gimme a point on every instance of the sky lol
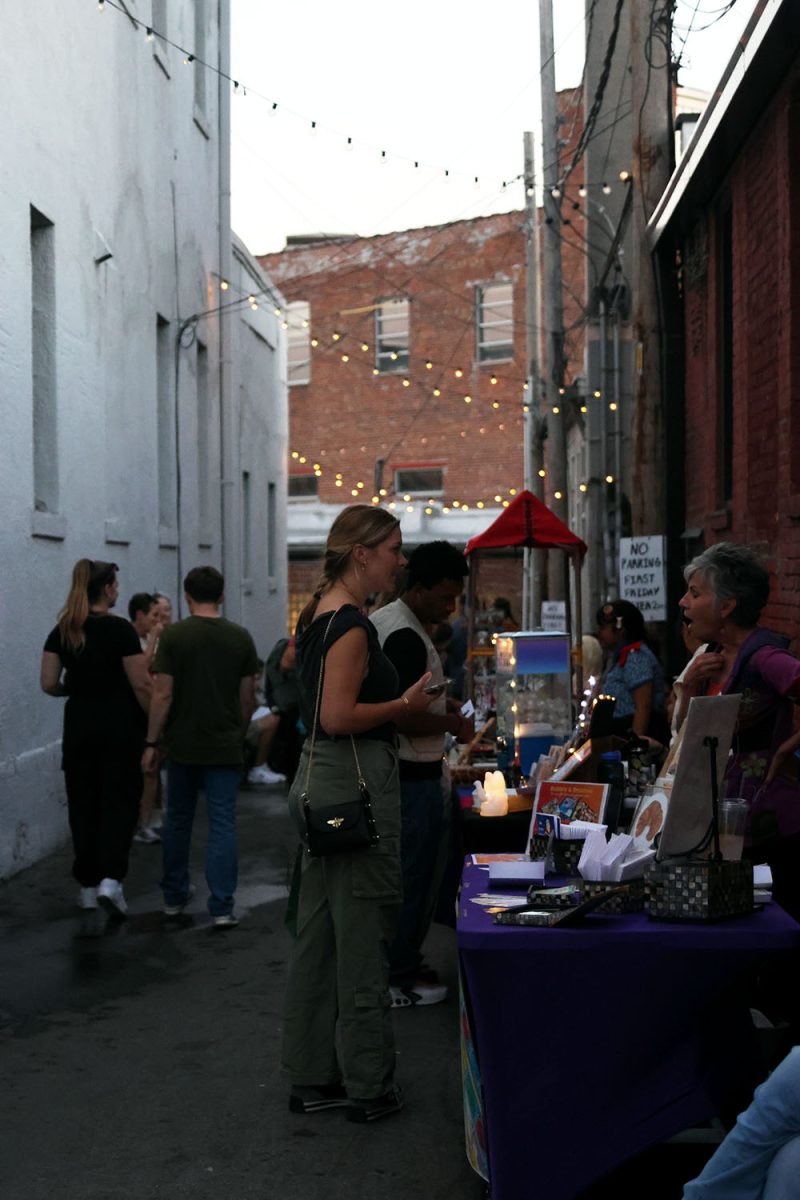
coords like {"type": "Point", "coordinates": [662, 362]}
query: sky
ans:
{"type": "Point", "coordinates": [448, 84]}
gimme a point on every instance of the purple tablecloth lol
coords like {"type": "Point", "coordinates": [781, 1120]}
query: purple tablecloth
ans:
{"type": "Point", "coordinates": [598, 1041]}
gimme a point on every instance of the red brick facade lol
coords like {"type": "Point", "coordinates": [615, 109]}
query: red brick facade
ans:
{"type": "Point", "coordinates": [352, 426]}
{"type": "Point", "coordinates": [761, 245]}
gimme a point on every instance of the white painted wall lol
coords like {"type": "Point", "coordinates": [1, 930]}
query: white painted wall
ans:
{"type": "Point", "coordinates": [103, 136]}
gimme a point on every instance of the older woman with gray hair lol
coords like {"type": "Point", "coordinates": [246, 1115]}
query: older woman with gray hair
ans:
{"type": "Point", "coordinates": [727, 587]}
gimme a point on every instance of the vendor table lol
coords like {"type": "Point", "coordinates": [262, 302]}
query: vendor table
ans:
{"type": "Point", "coordinates": [595, 1042]}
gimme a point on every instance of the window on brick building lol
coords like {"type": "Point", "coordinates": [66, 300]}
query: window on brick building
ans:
{"type": "Point", "coordinates": [392, 335]}
{"type": "Point", "coordinates": [419, 481]}
{"type": "Point", "coordinates": [303, 487]}
{"type": "Point", "coordinates": [298, 318]}
{"type": "Point", "coordinates": [494, 319]}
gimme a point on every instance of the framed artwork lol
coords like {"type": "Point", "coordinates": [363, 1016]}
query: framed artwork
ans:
{"type": "Point", "coordinates": [687, 819]}
{"type": "Point", "coordinates": [650, 814]}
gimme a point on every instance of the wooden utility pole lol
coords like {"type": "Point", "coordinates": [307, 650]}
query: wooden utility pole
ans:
{"type": "Point", "coordinates": [552, 303]}
{"type": "Point", "coordinates": [651, 98]}
{"type": "Point", "coordinates": [534, 560]}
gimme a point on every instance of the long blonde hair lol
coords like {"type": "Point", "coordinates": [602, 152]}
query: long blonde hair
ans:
{"type": "Point", "coordinates": [357, 525]}
{"type": "Point", "coordinates": [88, 580]}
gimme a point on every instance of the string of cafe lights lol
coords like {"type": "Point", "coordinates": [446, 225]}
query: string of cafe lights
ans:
{"type": "Point", "coordinates": [312, 124]}
{"type": "Point", "coordinates": [189, 59]}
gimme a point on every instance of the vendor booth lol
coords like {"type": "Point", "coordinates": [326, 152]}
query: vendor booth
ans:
{"type": "Point", "coordinates": [529, 524]}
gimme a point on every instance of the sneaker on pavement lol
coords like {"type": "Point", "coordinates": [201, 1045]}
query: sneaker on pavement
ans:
{"type": "Point", "coordinates": [226, 921]}
{"type": "Point", "coordinates": [307, 1099]}
{"type": "Point", "coordinates": [264, 775]}
{"type": "Point", "coordinates": [110, 897]}
{"type": "Point", "coordinates": [175, 910]}
{"type": "Point", "coordinates": [419, 993]}
{"type": "Point", "coordinates": [87, 898]}
{"type": "Point", "coordinates": [362, 1111]}
{"type": "Point", "coordinates": [147, 835]}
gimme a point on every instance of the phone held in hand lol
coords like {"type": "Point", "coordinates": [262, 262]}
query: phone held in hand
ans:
{"type": "Point", "coordinates": [435, 689]}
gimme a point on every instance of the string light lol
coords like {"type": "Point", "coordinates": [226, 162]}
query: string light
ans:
{"type": "Point", "coordinates": [609, 478]}
{"type": "Point", "coordinates": [223, 285]}
{"type": "Point", "coordinates": [558, 495]}
{"type": "Point", "coordinates": [613, 406]}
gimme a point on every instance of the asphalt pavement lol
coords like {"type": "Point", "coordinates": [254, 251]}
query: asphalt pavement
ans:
{"type": "Point", "coordinates": [140, 1058]}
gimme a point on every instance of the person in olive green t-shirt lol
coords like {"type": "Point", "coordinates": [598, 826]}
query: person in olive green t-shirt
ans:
{"type": "Point", "coordinates": [202, 701]}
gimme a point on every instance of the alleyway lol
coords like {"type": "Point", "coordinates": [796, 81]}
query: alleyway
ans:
{"type": "Point", "coordinates": [140, 1061]}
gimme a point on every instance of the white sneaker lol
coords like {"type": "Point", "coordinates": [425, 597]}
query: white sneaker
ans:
{"type": "Point", "coordinates": [87, 898]}
{"type": "Point", "coordinates": [175, 910]}
{"type": "Point", "coordinates": [110, 897]}
{"type": "Point", "coordinates": [263, 774]}
{"type": "Point", "coordinates": [418, 994]}
{"type": "Point", "coordinates": [145, 833]}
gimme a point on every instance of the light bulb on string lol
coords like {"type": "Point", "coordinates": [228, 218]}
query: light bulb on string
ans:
{"type": "Point", "coordinates": [609, 478]}
{"type": "Point", "coordinates": [345, 358]}
{"type": "Point", "coordinates": [558, 495]}
{"type": "Point", "coordinates": [583, 190]}
{"type": "Point", "coordinates": [223, 285]}
{"type": "Point", "coordinates": [606, 189]}
{"type": "Point", "coordinates": [101, 5]}
{"type": "Point", "coordinates": [468, 399]}
{"type": "Point", "coordinates": [313, 129]}
{"type": "Point", "coordinates": [613, 406]}
{"type": "Point", "coordinates": [365, 346]}
{"type": "Point", "coordinates": [349, 144]}
{"type": "Point", "coordinates": [495, 404]}
{"type": "Point", "coordinates": [555, 193]}
{"type": "Point", "coordinates": [541, 472]}
{"type": "Point", "coordinates": [188, 60]}
{"type": "Point", "coordinates": [314, 343]}
{"type": "Point", "coordinates": [582, 487]}
{"type": "Point", "coordinates": [148, 34]}
{"type": "Point", "coordinates": [625, 176]}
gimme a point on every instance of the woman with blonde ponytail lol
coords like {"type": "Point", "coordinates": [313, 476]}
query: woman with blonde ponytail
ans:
{"type": "Point", "coordinates": [338, 1047]}
{"type": "Point", "coordinates": [96, 661]}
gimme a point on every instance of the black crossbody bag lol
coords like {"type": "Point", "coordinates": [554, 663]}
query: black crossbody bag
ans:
{"type": "Point", "coordinates": [349, 825]}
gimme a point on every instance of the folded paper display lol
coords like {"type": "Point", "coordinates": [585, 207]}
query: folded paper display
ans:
{"type": "Point", "coordinates": [614, 861]}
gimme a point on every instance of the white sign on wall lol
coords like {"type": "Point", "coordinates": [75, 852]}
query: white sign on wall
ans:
{"type": "Point", "coordinates": [554, 615]}
{"type": "Point", "coordinates": [642, 575]}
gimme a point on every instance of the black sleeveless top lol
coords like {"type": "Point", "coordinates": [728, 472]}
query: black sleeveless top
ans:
{"type": "Point", "coordinates": [381, 682]}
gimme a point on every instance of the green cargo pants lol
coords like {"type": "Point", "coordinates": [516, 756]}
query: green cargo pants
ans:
{"type": "Point", "coordinates": [347, 914]}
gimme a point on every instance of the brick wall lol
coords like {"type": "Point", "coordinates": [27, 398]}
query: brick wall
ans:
{"type": "Point", "coordinates": [763, 188]}
{"type": "Point", "coordinates": [347, 418]}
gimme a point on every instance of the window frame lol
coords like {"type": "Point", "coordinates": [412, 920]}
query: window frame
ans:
{"type": "Point", "coordinates": [416, 492]}
{"type": "Point", "coordinates": [300, 498]}
{"type": "Point", "coordinates": [505, 349]}
{"type": "Point", "coordinates": [293, 308]}
{"type": "Point", "coordinates": [384, 362]}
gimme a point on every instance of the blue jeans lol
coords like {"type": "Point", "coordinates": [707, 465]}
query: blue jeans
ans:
{"type": "Point", "coordinates": [220, 785]}
{"type": "Point", "coordinates": [760, 1157]}
{"type": "Point", "coordinates": [422, 816]}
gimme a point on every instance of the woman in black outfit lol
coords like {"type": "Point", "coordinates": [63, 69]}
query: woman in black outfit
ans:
{"type": "Point", "coordinates": [338, 1046]}
{"type": "Point", "coordinates": [107, 687]}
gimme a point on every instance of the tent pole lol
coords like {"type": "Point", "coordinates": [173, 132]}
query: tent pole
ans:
{"type": "Point", "coordinates": [472, 591]}
{"type": "Point", "coordinates": [577, 565]}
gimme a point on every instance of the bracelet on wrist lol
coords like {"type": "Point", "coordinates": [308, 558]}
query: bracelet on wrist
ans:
{"type": "Point", "coordinates": [150, 745]}
{"type": "Point", "coordinates": [405, 700]}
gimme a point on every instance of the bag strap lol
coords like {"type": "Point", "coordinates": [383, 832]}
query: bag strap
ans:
{"type": "Point", "coordinates": [317, 708]}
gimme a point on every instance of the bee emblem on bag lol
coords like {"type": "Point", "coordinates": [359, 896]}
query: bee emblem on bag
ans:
{"type": "Point", "coordinates": [335, 822]}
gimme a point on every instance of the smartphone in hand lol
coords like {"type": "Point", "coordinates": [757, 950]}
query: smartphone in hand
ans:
{"type": "Point", "coordinates": [436, 689]}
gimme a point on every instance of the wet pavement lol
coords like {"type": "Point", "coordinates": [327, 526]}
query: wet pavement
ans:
{"type": "Point", "coordinates": [140, 1057]}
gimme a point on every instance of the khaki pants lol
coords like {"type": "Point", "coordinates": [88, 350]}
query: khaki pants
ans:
{"type": "Point", "coordinates": [347, 915]}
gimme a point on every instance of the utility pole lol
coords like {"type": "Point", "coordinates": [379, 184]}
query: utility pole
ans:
{"type": "Point", "coordinates": [552, 302]}
{"type": "Point", "coordinates": [651, 96]}
{"type": "Point", "coordinates": [534, 560]}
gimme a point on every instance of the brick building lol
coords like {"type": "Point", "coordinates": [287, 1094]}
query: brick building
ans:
{"type": "Point", "coordinates": [728, 242]}
{"type": "Point", "coordinates": [408, 375]}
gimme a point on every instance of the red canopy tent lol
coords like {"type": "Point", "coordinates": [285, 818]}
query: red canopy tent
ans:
{"type": "Point", "coordinates": [529, 522]}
